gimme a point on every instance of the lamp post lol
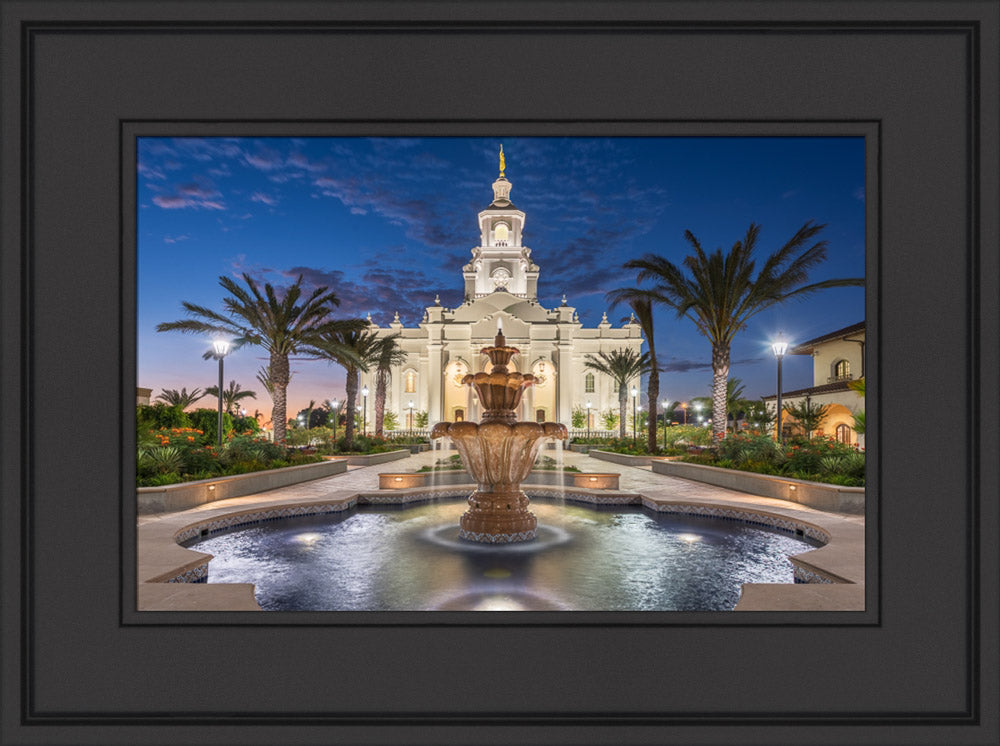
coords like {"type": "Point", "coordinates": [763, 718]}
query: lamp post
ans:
{"type": "Point", "coordinates": [635, 420]}
{"type": "Point", "coordinates": [411, 417]}
{"type": "Point", "coordinates": [684, 406]}
{"type": "Point", "coordinates": [779, 346]}
{"type": "Point", "coordinates": [364, 411]}
{"type": "Point", "coordinates": [334, 405]}
{"type": "Point", "coordinates": [666, 403]}
{"type": "Point", "coordinates": [697, 411]}
{"type": "Point", "coordinates": [588, 420]}
{"type": "Point", "coordinates": [221, 348]}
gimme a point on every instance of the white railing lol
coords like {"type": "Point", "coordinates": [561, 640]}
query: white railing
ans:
{"type": "Point", "coordinates": [584, 433]}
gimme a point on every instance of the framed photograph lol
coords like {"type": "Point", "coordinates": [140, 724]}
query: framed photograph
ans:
{"type": "Point", "coordinates": [150, 151]}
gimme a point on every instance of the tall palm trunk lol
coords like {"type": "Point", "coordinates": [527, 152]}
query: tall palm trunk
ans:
{"type": "Point", "coordinates": [622, 409]}
{"type": "Point", "coordinates": [653, 393]}
{"type": "Point", "coordinates": [381, 383]}
{"type": "Point", "coordinates": [720, 375]}
{"type": "Point", "coordinates": [351, 385]}
{"type": "Point", "coordinates": [279, 379]}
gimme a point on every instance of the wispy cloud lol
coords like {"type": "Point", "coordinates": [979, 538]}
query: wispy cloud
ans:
{"type": "Point", "coordinates": [190, 195]}
{"type": "Point", "coordinates": [176, 239]}
{"type": "Point", "coordinates": [859, 193]}
{"type": "Point", "coordinates": [263, 198]}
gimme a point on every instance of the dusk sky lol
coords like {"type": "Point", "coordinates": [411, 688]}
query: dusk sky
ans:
{"type": "Point", "coordinates": [388, 223]}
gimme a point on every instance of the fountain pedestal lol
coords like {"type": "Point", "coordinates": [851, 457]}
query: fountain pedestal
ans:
{"type": "Point", "coordinates": [499, 453]}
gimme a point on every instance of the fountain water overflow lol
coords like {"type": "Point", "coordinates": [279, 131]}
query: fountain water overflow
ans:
{"type": "Point", "coordinates": [499, 452]}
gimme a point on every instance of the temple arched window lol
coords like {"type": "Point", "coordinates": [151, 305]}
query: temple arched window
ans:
{"type": "Point", "coordinates": [588, 383]}
{"type": "Point", "coordinates": [410, 382]}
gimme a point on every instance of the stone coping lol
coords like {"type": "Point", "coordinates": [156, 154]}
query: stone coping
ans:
{"type": "Point", "coordinates": [840, 561]}
{"type": "Point", "coordinates": [370, 459]}
{"type": "Point", "coordinates": [621, 458]}
{"type": "Point", "coordinates": [832, 497]}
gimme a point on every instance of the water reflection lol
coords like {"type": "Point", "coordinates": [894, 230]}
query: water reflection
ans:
{"type": "Point", "coordinates": [410, 558]}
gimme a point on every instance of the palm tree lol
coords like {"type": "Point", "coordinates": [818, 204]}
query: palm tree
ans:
{"type": "Point", "coordinates": [722, 292]}
{"type": "Point", "coordinates": [809, 416]}
{"type": "Point", "coordinates": [735, 404]}
{"type": "Point", "coordinates": [231, 395]}
{"type": "Point", "coordinates": [282, 326]}
{"type": "Point", "coordinates": [355, 349]}
{"type": "Point", "coordinates": [181, 398]}
{"type": "Point", "coordinates": [643, 309]}
{"type": "Point", "coordinates": [622, 366]}
{"type": "Point", "coordinates": [670, 411]}
{"type": "Point", "coordinates": [390, 354]}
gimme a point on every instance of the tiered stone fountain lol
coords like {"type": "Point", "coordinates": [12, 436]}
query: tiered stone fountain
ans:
{"type": "Point", "coordinates": [499, 452]}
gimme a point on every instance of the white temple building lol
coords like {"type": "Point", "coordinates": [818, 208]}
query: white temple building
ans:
{"type": "Point", "coordinates": [501, 290]}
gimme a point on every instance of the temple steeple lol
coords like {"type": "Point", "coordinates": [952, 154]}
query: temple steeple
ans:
{"type": "Point", "coordinates": [501, 262]}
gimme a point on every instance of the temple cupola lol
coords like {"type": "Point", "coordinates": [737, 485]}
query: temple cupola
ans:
{"type": "Point", "coordinates": [501, 261]}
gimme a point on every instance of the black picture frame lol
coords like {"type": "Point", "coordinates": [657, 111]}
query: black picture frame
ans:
{"type": "Point", "coordinates": [918, 78]}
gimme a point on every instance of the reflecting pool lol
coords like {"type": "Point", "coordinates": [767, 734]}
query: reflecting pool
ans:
{"type": "Point", "coordinates": [620, 558]}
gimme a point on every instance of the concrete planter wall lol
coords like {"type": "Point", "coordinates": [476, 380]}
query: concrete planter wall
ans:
{"type": "Point", "coordinates": [371, 459]}
{"type": "Point", "coordinates": [409, 480]}
{"type": "Point", "coordinates": [172, 497]}
{"type": "Point", "coordinates": [621, 458]}
{"type": "Point", "coordinates": [814, 494]}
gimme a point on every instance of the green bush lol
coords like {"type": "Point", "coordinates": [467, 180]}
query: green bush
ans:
{"type": "Point", "coordinates": [160, 416]}
{"type": "Point", "coordinates": [819, 459]}
{"type": "Point", "coordinates": [694, 435]}
{"type": "Point", "coordinates": [207, 421]}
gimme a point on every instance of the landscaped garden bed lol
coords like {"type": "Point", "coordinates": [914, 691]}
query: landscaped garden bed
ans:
{"type": "Point", "coordinates": [818, 459]}
{"type": "Point", "coordinates": [182, 454]}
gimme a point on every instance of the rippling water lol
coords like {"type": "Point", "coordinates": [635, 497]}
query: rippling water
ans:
{"type": "Point", "coordinates": [585, 559]}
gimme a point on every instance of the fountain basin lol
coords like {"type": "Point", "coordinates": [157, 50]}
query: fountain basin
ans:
{"type": "Point", "coordinates": [586, 558]}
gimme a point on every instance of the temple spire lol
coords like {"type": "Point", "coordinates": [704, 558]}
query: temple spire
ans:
{"type": "Point", "coordinates": [502, 162]}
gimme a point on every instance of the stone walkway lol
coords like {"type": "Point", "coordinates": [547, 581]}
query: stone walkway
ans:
{"type": "Point", "coordinates": [843, 557]}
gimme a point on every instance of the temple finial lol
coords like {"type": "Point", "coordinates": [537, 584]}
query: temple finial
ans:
{"type": "Point", "coordinates": [502, 162]}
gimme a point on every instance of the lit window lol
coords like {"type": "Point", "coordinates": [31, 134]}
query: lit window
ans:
{"type": "Point", "coordinates": [843, 434]}
{"type": "Point", "coordinates": [842, 370]}
{"type": "Point", "coordinates": [501, 233]}
{"type": "Point", "coordinates": [411, 382]}
{"type": "Point", "coordinates": [588, 383]}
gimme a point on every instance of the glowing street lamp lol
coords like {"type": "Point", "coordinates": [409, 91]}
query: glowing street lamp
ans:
{"type": "Point", "coordinates": [364, 411]}
{"type": "Point", "coordinates": [411, 417]}
{"type": "Point", "coordinates": [684, 406]}
{"type": "Point", "coordinates": [221, 349]}
{"type": "Point", "coordinates": [779, 347]}
{"type": "Point", "coordinates": [666, 403]}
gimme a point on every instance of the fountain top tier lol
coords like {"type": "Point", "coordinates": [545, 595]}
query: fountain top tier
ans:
{"type": "Point", "coordinates": [499, 391]}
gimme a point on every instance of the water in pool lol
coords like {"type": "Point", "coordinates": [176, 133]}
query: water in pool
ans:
{"type": "Point", "coordinates": [584, 559]}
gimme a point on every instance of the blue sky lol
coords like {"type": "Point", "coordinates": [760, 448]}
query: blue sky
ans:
{"type": "Point", "coordinates": [387, 223]}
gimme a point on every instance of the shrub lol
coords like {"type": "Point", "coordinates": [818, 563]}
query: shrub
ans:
{"type": "Point", "coordinates": [741, 448]}
{"type": "Point", "coordinates": [159, 416]}
{"type": "Point", "coordinates": [687, 435]}
{"type": "Point", "coordinates": [207, 421]}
